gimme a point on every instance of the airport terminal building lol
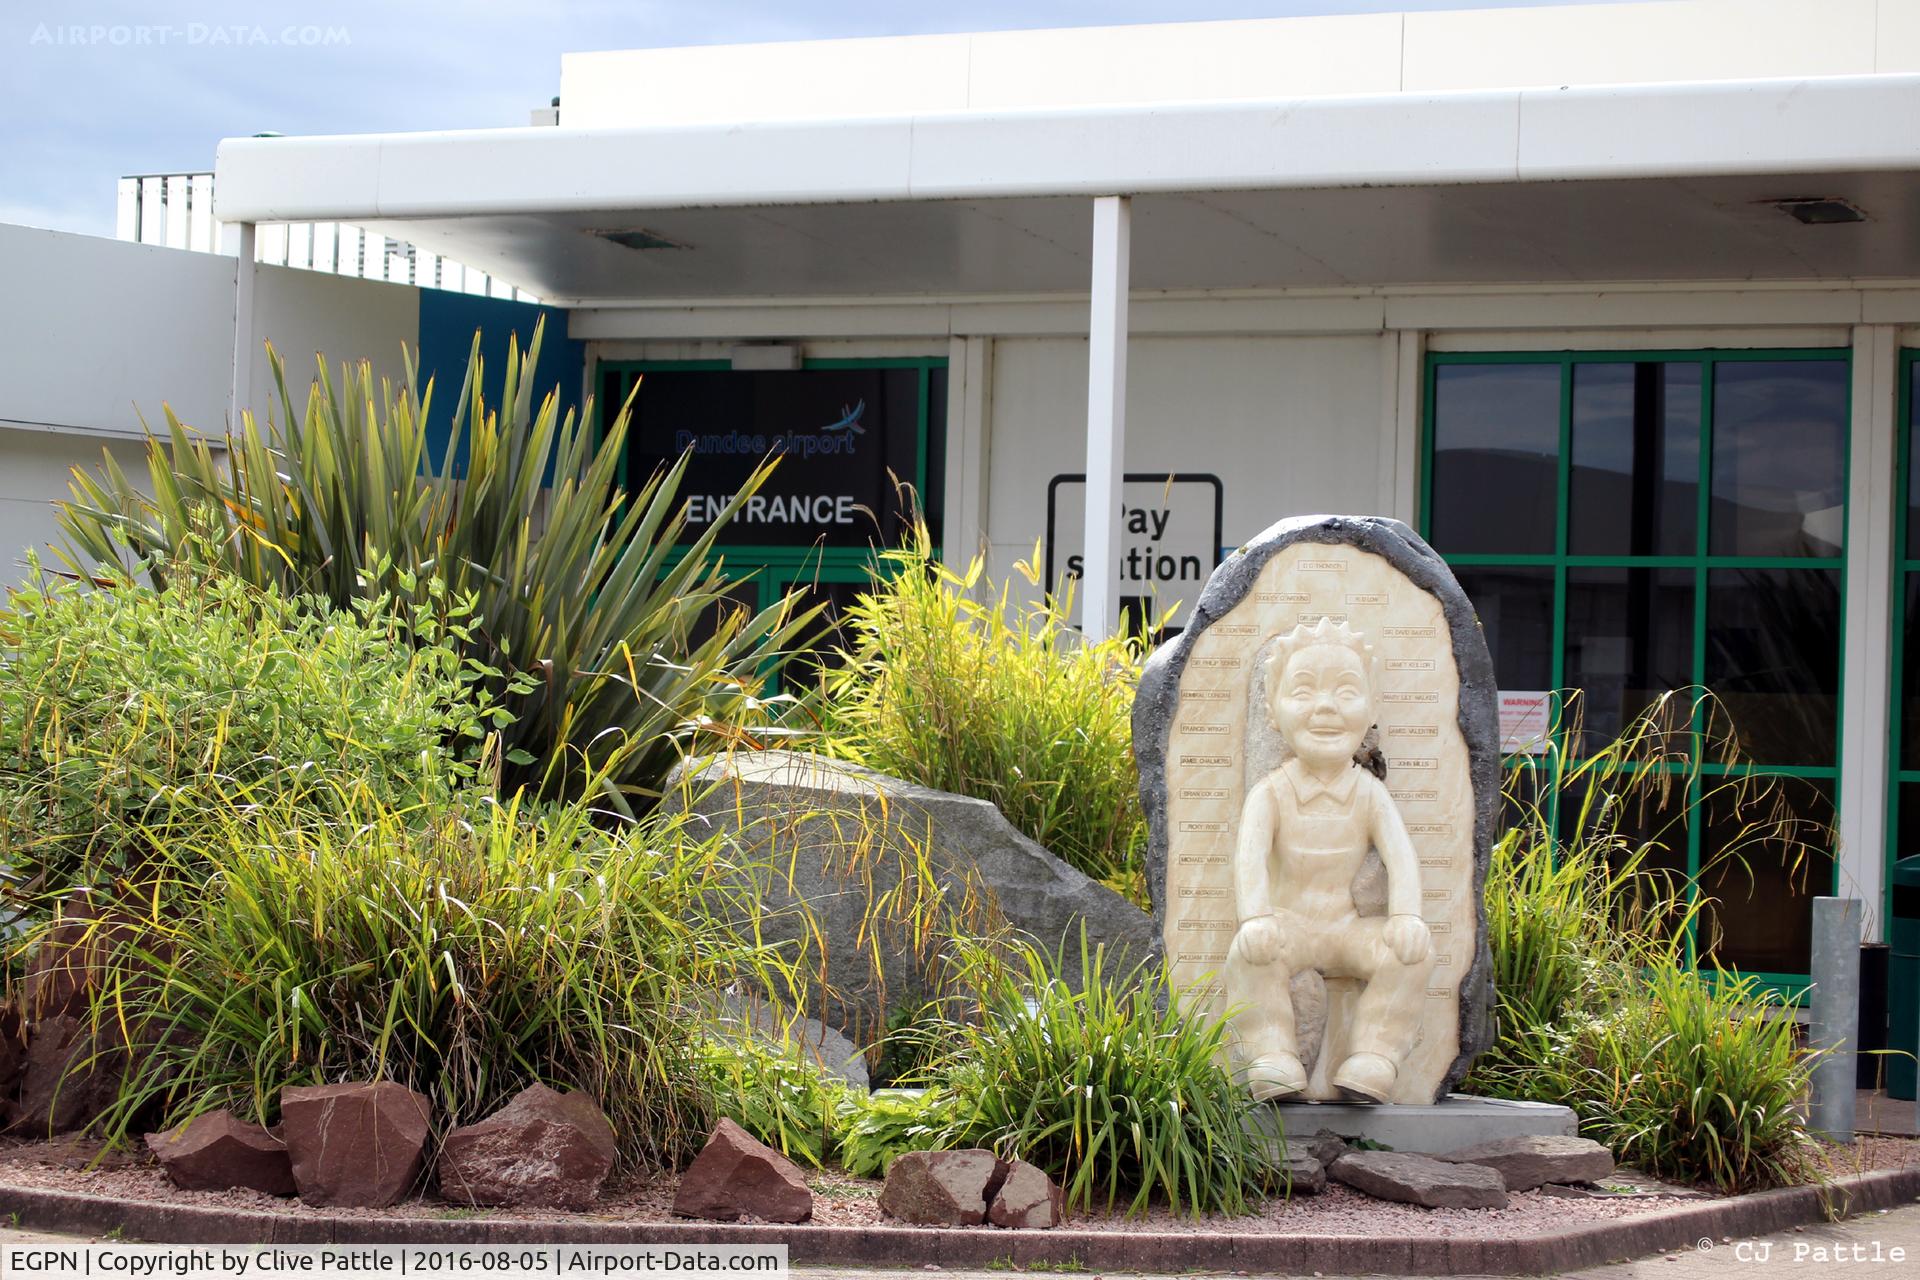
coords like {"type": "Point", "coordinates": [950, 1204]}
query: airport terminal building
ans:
{"type": "Point", "coordinates": [1618, 305]}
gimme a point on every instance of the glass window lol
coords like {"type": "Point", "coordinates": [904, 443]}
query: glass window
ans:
{"type": "Point", "coordinates": [1764, 858]}
{"type": "Point", "coordinates": [1910, 680]}
{"type": "Point", "coordinates": [1496, 458]}
{"type": "Point", "coordinates": [1601, 568]}
{"type": "Point", "coordinates": [1773, 660]}
{"type": "Point", "coordinates": [1635, 481]}
{"type": "Point", "coordinates": [1516, 611]}
{"type": "Point", "coordinates": [1779, 457]}
{"type": "Point", "coordinates": [1629, 639]}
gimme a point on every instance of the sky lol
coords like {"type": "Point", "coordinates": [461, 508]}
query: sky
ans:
{"type": "Point", "coordinates": [91, 90]}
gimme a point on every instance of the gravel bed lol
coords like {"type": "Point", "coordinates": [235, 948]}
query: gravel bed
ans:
{"type": "Point", "coordinates": [852, 1202]}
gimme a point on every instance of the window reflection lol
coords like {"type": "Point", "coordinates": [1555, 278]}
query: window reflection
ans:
{"type": "Point", "coordinates": [1516, 611]}
{"type": "Point", "coordinates": [1760, 890]}
{"type": "Point", "coordinates": [1779, 457]}
{"type": "Point", "coordinates": [1629, 639]}
{"type": "Point", "coordinates": [1496, 450]}
{"type": "Point", "coordinates": [1636, 459]}
{"type": "Point", "coordinates": [1773, 659]}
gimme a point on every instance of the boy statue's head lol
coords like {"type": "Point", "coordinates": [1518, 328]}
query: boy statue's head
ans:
{"type": "Point", "coordinates": [1320, 691]}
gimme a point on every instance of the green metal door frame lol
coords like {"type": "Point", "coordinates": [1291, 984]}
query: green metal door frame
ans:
{"type": "Point", "coordinates": [1905, 566]}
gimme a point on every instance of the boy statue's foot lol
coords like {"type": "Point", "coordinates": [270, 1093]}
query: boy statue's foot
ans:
{"type": "Point", "coordinates": [1276, 1076]}
{"type": "Point", "coordinates": [1366, 1077]}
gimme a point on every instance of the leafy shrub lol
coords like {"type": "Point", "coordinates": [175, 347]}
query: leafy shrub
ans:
{"type": "Point", "coordinates": [775, 1092]}
{"type": "Point", "coordinates": [591, 610]}
{"type": "Point", "coordinates": [1688, 1075]}
{"type": "Point", "coordinates": [464, 957]}
{"type": "Point", "coordinates": [870, 1129]}
{"type": "Point", "coordinates": [126, 712]}
{"type": "Point", "coordinates": [1113, 1090]}
{"type": "Point", "coordinates": [1700, 1077]}
{"type": "Point", "coordinates": [953, 684]}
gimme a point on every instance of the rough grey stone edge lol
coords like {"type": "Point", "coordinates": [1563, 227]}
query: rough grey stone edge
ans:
{"type": "Point", "coordinates": [1540, 1253]}
{"type": "Point", "coordinates": [1156, 703]}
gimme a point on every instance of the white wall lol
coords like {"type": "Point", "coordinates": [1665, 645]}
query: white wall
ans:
{"type": "Point", "coordinates": [94, 333]}
{"type": "Point", "coordinates": [97, 335]}
{"type": "Point", "coordinates": [309, 313]}
{"type": "Point", "coordinates": [35, 467]}
{"type": "Point", "coordinates": [1290, 425]}
{"type": "Point", "coordinates": [1681, 40]}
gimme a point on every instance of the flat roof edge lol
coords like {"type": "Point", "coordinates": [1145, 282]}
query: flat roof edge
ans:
{"type": "Point", "coordinates": [1804, 126]}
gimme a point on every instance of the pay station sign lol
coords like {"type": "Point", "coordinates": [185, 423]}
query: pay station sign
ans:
{"type": "Point", "coordinates": [1169, 540]}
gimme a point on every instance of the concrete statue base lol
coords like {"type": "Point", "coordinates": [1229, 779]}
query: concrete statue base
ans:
{"type": "Point", "coordinates": [1456, 1121]}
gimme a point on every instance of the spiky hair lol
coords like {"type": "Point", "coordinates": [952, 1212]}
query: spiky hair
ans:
{"type": "Point", "coordinates": [1325, 631]}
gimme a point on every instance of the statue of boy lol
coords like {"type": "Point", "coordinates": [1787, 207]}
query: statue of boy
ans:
{"type": "Point", "coordinates": [1304, 834]}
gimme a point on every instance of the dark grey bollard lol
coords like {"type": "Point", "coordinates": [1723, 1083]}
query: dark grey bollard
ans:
{"type": "Point", "coordinates": [1833, 1025]}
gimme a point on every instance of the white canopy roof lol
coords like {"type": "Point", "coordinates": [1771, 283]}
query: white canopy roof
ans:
{"type": "Point", "coordinates": [1589, 184]}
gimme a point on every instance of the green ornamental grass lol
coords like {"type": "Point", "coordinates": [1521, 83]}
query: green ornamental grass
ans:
{"type": "Point", "coordinates": [952, 682]}
{"type": "Point", "coordinates": [1690, 1075]}
{"type": "Point", "coordinates": [1112, 1089]}
{"type": "Point", "coordinates": [465, 958]}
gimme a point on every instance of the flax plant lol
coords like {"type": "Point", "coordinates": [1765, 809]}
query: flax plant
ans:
{"type": "Point", "coordinates": [606, 623]}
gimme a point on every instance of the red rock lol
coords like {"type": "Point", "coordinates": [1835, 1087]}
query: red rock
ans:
{"type": "Point", "coordinates": [736, 1176]}
{"type": "Point", "coordinates": [13, 1050]}
{"type": "Point", "coordinates": [71, 1076]}
{"type": "Point", "coordinates": [942, 1188]}
{"type": "Point", "coordinates": [217, 1150]}
{"type": "Point", "coordinates": [1027, 1198]}
{"type": "Point", "coordinates": [355, 1145]}
{"type": "Point", "coordinates": [78, 952]}
{"type": "Point", "coordinates": [544, 1148]}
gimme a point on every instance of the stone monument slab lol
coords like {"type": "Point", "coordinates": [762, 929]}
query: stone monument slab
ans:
{"type": "Point", "coordinates": [1319, 757]}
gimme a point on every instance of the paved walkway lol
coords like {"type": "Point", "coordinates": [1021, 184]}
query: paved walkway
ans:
{"type": "Point", "coordinates": [1884, 1244]}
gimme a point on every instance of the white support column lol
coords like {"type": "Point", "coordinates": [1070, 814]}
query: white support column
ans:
{"type": "Point", "coordinates": [1867, 690]}
{"type": "Point", "coordinates": [246, 274]}
{"type": "Point", "coordinates": [1106, 414]}
{"type": "Point", "coordinates": [1410, 392]}
{"type": "Point", "coordinates": [969, 445]}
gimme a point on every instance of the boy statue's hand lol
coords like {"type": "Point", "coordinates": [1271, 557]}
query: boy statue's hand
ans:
{"type": "Point", "coordinates": [1260, 940]}
{"type": "Point", "coordinates": [1408, 938]}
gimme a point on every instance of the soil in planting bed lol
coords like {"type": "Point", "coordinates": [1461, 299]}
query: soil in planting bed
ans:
{"type": "Point", "coordinates": [64, 1165]}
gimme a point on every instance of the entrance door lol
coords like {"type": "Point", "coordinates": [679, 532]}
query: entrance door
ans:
{"type": "Point", "coordinates": [860, 443]}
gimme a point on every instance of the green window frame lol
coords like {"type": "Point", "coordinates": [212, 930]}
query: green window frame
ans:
{"type": "Point", "coordinates": [1700, 562]}
{"type": "Point", "coordinates": [1905, 567]}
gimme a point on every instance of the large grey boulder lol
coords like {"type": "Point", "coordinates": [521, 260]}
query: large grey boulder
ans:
{"type": "Point", "coordinates": [1421, 1180]}
{"type": "Point", "coordinates": [1534, 1160]}
{"type": "Point", "coordinates": [841, 839]}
